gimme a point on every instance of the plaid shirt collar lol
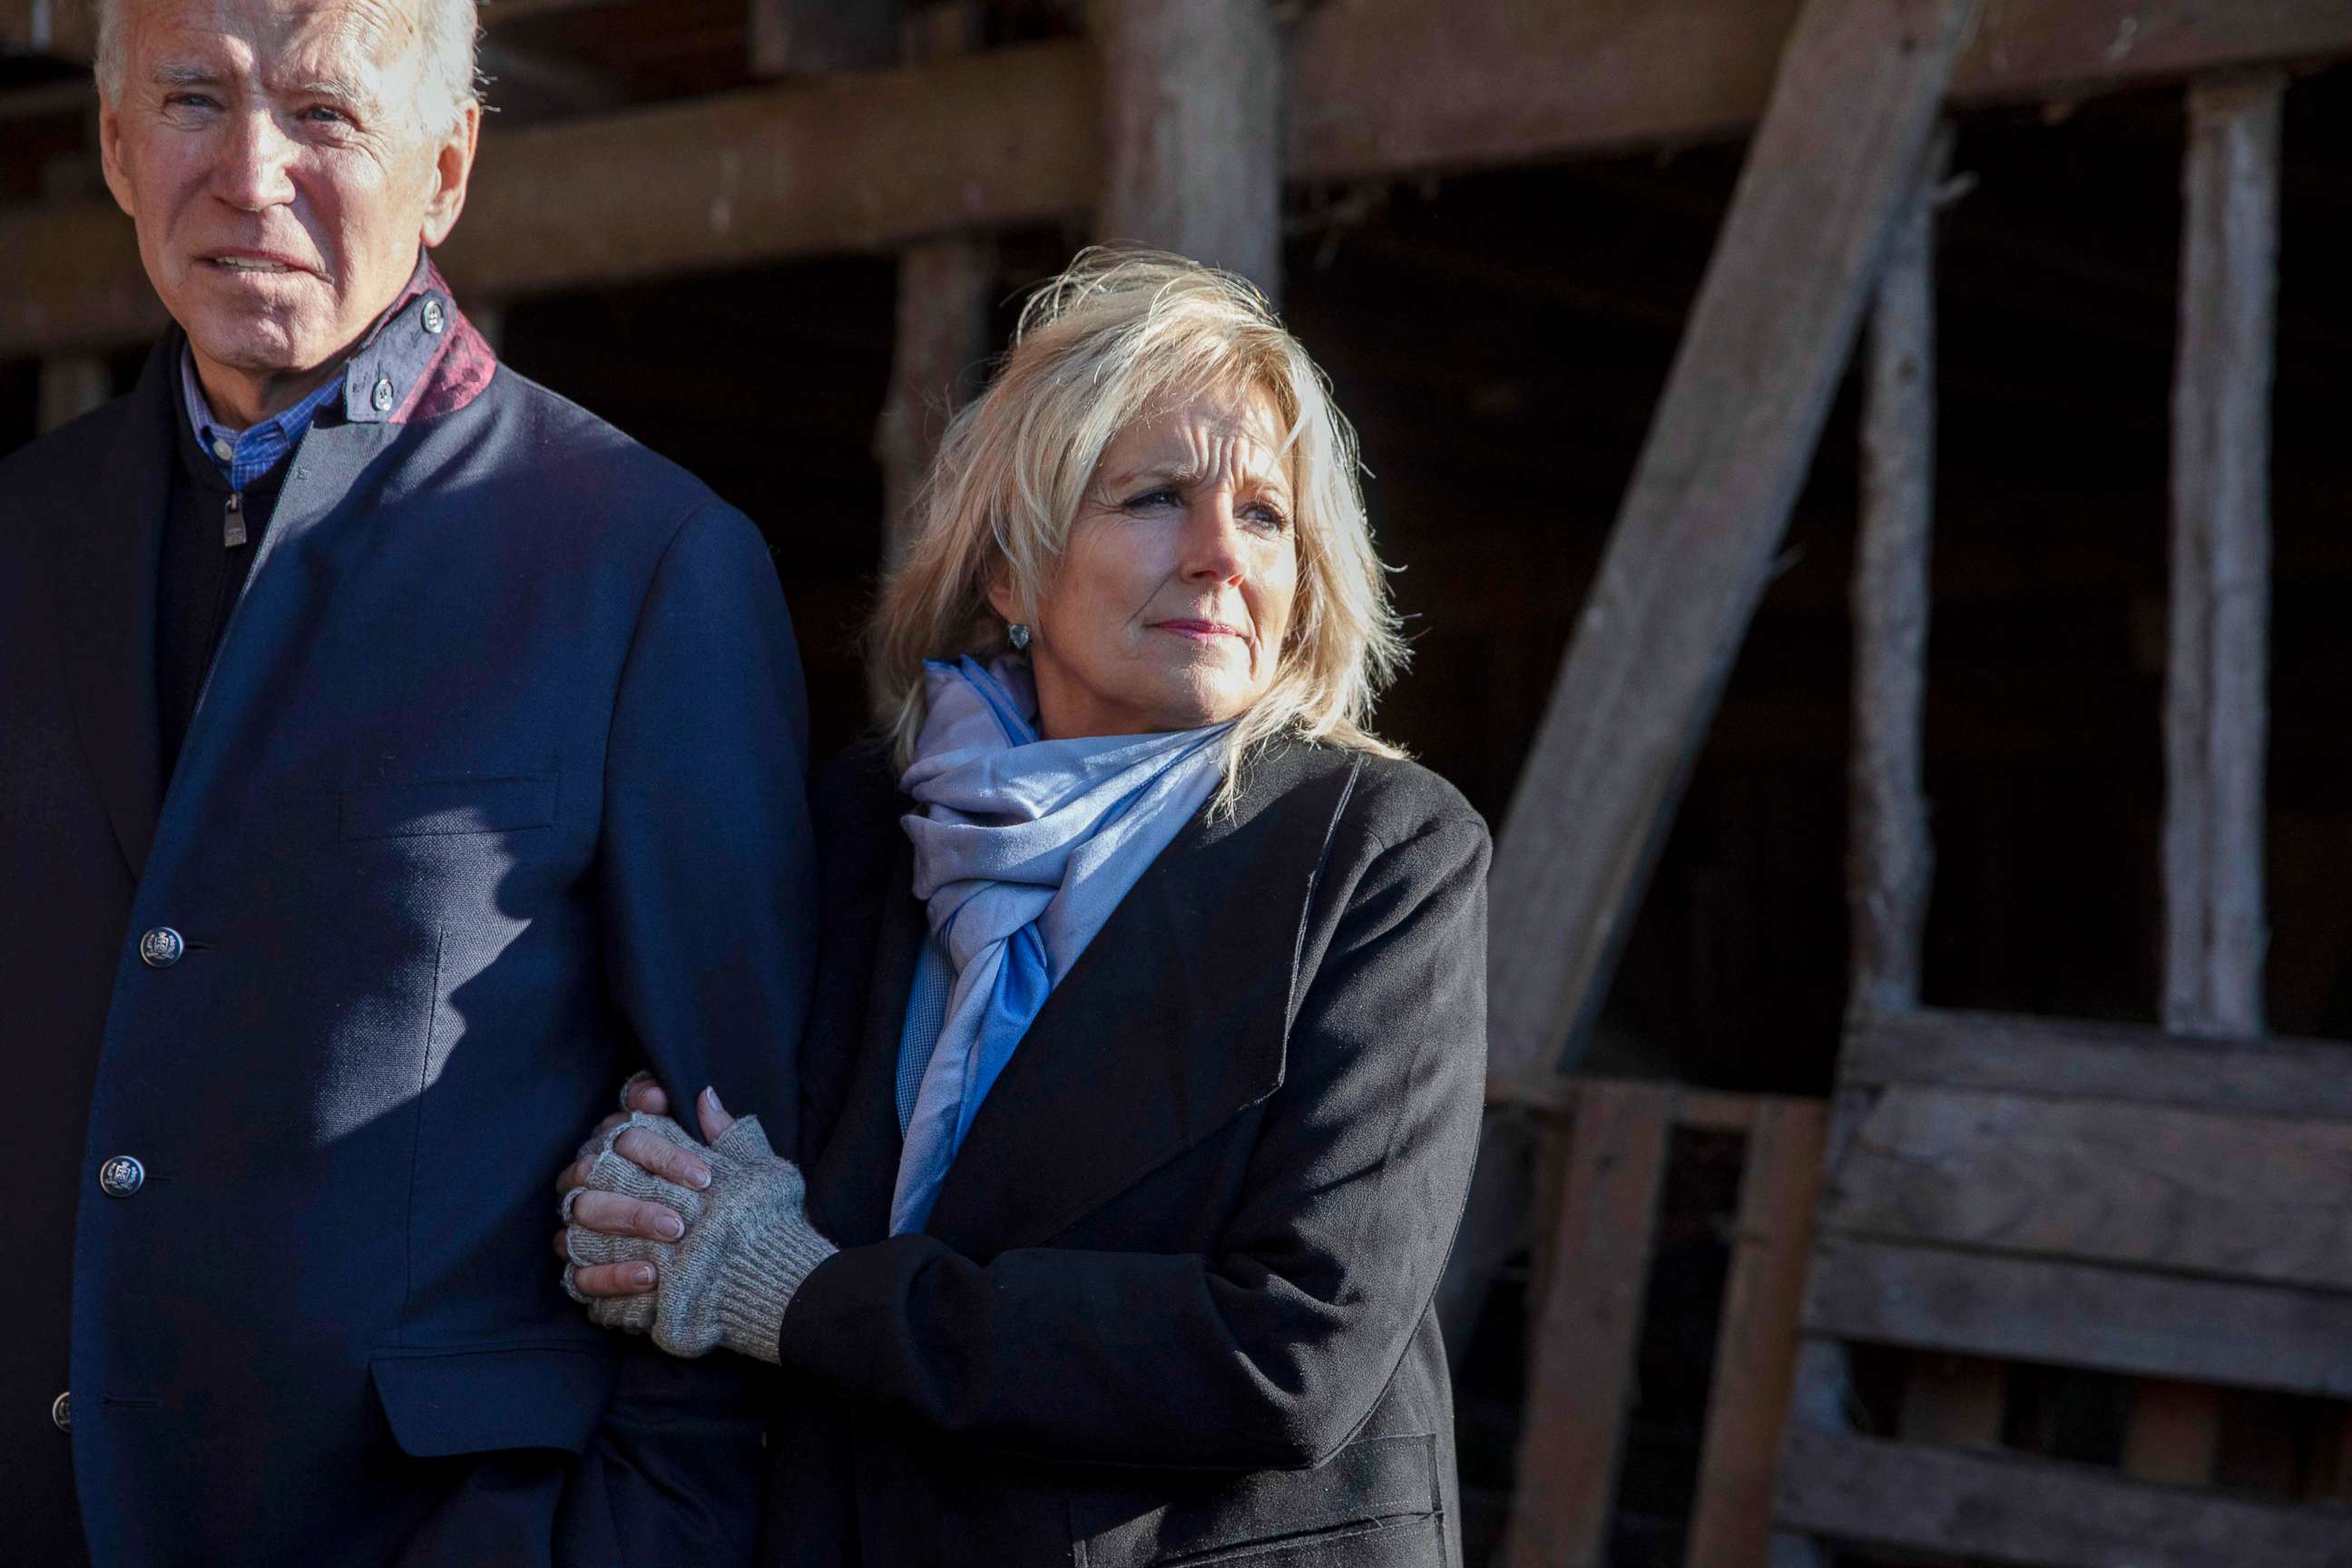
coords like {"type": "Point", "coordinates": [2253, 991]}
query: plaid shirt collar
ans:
{"type": "Point", "coordinates": [378, 378]}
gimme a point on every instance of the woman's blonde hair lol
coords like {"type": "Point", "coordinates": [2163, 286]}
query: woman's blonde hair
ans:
{"type": "Point", "coordinates": [1119, 334]}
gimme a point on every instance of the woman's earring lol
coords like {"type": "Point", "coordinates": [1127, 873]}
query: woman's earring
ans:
{"type": "Point", "coordinates": [1017, 633]}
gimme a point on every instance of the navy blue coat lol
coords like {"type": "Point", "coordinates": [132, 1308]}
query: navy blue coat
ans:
{"type": "Point", "coordinates": [496, 791]}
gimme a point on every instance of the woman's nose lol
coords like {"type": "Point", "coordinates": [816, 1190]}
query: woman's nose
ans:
{"type": "Point", "coordinates": [1213, 542]}
{"type": "Point", "coordinates": [256, 167]}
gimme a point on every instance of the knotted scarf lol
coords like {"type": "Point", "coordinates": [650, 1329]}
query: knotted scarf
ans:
{"type": "Point", "coordinates": [1023, 847]}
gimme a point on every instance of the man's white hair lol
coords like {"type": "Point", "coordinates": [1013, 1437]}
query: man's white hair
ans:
{"type": "Point", "coordinates": [448, 32]}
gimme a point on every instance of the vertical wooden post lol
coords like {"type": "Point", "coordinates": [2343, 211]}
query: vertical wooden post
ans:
{"type": "Point", "coordinates": [2215, 705]}
{"type": "Point", "coordinates": [1756, 1346]}
{"type": "Point", "coordinates": [71, 385]}
{"type": "Point", "coordinates": [1192, 133]}
{"type": "Point", "coordinates": [944, 286]}
{"type": "Point", "coordinates": [1581, 1378]}
{"type": "Point", "coordinates": [1890, 857]}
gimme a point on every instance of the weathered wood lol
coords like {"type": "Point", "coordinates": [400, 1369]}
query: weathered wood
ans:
{"type": "Point", "coordinates": [1693, 545]}
{"type": "Point", "coordinates": [1377, 87]}
{"type": "Point", "coordinates": [1756, 1342]}
{"type": "Point", "coordinates": [2246, 1197]}
{"type": "Point", "coordinates": [1997, 1508]}
{"type": "Point", "coordinates": [1582, 1379]}
{"type": "Point", "coordinates": [2275, 1076]}
{"type": "Point", "coordinates": [2216, 683]}
{"type": "Point", "coordinates": [65, 29]}
{"type": "Point", "coordinates": [944, 288]}
{"type": "Point", "coordinates": [1890, 859]}
{"type": "Point", "coordinates": [2078, 1314]}
{"type": "Point", "coordinates": [71, 385]}
{"type": "Point", "coordinates": [1383, 87]}
{"type": "Point", "coordinates": [1191, 98]}
{"type": "Point", "coordinates": [811, 37]}
{"type": "Point", "coordinates": [851, 163]}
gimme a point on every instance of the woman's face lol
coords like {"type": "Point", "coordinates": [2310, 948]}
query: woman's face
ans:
{"type": "Point", "coordinates": [1169, 607]}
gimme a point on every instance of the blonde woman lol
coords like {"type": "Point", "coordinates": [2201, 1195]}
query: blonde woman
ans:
{"type": "Point", "coordinates": [1142, 1084]}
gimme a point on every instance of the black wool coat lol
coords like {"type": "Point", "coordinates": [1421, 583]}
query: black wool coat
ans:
{"type": "Point", "coordinates": [1174, 1302]}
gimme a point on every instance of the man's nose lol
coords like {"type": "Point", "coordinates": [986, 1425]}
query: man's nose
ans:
{"type": "Point", "coordinates": [256, 161]}
{"type": "Point", "coordinates": [1213, 542]}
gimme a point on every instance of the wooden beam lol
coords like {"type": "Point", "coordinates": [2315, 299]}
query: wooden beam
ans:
{"type": "Point", "coordinates": [2216, 685]}
{"type": "Point", "coordinates": [2079, 1314]}
{"type": "Point", "coordinates": [1756, 1343]}
{"type": "Point", "coordinates": [2240, 1197]}
{"type": "Point", "coordinates": [1890, 857]}
{"type": "Point", "coordinates": [62, 29]}
{"type": "Point", "coordinates": [1193, 130]}
{"type": "Point", "coordinates": [2303, 1078]}
{"type": "Point", "coordinates": [1385, 87]}
{"type": "Point", "coordinates": [1693, 546]}
{"type": "Point", "coordinates": [1997, 1508]}
{"type": "Point", "coordinates": [1376, 88]}
{"type": "Point", "coordinates": [1582, 1379]}
{"type": "Point", "coordinates": [853, 162]}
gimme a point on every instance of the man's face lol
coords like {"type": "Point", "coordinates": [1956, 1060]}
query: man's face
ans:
{"type": "Point", "coordinates": [282, 159]}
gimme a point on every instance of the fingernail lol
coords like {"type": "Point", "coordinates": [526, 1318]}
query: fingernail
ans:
{"type": "Point", "coordinates": [672, 1227]}
{"type": "Point", "coordinates": [643, 1274]}
{"type": "Point", "coordinates": [712, 1095]}
{"type": "Point", "coordinates": [697, 1175]}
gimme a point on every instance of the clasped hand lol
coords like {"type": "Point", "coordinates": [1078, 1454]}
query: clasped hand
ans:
{"type": "Point", "coordinates": [699, 1244]}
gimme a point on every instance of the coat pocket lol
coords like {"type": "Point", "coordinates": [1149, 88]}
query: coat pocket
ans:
{"type": "Point", "coordinates": [470, 1402]}
{"type": "Point", "coordinates": [1373, 1500]}
{"type": "Point", "coordinates": [434, 807]}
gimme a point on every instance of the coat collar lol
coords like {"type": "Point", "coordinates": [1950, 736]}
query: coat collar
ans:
{"type": "Point", "coordinates": [1174, 1019]}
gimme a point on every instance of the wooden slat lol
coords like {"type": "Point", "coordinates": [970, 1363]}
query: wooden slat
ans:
{"type": "Point", "coordinates": [2078, 1314]}
{"type": "Point", "coordinates": [1699, 1110]}
{"type": "Point", "coordinates": [1995, 1509]}
{"type": "Point", "coordinates": [1377, 87]}
{"type": "Point", "coordinates": [1756, 1343]}
{"type": "Point", "coordinates": [2245, 1197]}
{"type": "Point", "coordinates": [1693, 545]}
{"type": "Point", "coordinates": [1193, 130]}
{"type": "Point", "coordinates": [2303, 1079]}
{"type": "Point", "coordinates": [1582, 1373]}
{"type": "Point", "coordinates": [811, 37]}
{"type": "Point", "coordinates": [1890, 859]}
{"type": "Point", "coordinates": [2216, 685]}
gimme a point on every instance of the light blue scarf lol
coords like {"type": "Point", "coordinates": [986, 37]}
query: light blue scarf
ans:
{"type": "Point", "coordinates": [1023, 847]}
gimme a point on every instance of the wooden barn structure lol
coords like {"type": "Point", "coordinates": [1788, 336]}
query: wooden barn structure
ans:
{"type": "Point", "coordinates": [2056, 1271]}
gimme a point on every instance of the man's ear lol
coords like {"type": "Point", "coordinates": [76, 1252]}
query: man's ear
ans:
{"type": "Point", "coordinates": [110, 156]}
{"type": "Point", "coordinates": [453, 167]}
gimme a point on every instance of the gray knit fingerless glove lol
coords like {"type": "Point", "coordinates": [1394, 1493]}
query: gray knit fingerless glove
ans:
{"type": "Point", "coordinates": [748, 1245]}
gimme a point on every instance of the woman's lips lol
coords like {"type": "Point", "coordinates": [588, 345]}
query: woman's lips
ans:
{"type": "Point", "coordinates": [1201, 631]}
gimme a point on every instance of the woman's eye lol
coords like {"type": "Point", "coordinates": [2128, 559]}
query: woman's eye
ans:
{"type": "Point", "coordinates": [1267, 517]}
{"type": "Point", "coordinates": [1163, 495]}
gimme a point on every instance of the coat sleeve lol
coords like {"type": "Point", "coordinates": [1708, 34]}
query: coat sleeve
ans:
{"type": "Point", "coordinates": [1270, 1351]}
{"type": "Point", "coordinates": [706, 878]}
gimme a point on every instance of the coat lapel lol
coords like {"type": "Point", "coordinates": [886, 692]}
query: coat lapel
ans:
{"type": "Point", "coordinates": [108, 563]}
{"type": "Point", "coordinates": [1171, 1021]}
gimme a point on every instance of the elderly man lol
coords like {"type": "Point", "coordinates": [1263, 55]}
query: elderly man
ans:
{"type": "Point", "coordinates": [391, 756]}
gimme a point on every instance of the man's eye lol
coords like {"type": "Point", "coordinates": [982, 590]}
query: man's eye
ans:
{"type": "Point", "coordinates": [188, 101]}
{"type": "Point", "coordinates": [324, 114]}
